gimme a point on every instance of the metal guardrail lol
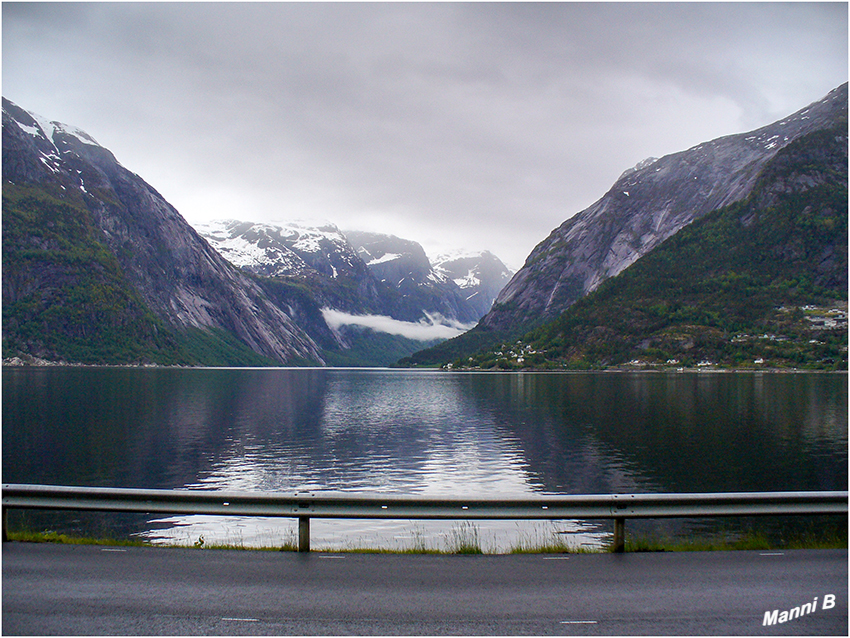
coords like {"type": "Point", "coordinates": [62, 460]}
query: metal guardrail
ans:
{"type": "Point", "coordinates": [305, 506]}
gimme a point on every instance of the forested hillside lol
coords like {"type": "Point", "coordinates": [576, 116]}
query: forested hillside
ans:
{"type": "Point", "coordinates": [759, 283]}
{"type": "Point", "coordinates": [647, 205]}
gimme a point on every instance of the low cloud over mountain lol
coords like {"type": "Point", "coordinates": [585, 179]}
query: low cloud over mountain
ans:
{"type": "Point", "coordinates": [432, 328]}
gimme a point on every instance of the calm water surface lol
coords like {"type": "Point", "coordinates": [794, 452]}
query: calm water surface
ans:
{"type": "Point", "coordinates": [417, 432]}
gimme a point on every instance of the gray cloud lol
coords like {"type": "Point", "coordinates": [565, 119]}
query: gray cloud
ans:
{"type": "Point", "coordinates": [459, 125]}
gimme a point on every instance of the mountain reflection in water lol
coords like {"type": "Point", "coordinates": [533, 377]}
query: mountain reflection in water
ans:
{"type": "Point", "coordinates": [418, 432]}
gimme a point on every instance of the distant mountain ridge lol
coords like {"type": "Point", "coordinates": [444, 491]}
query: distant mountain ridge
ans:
{"type": "Point", "coordinates": [317, 258]}
{"type": "Point", "coordinates": [393, 276]}
{"type": "Point", "coordinates": [274, 250]}
{"type": "Point", "coordinates": [403, 266]}
{"type": "Point", "coordinates": [480, 276]}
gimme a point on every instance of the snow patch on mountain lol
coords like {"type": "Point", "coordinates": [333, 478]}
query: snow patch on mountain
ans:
{"type": "Point", "coordinates": [32, 130]}
{"type": "Point", "coordinates": [245, 253]}
{"type": "Point", "coordinates": [280, 249]}
{"type": "Point", "coordinates": [437, 277]}
{"type": "Point", "coordinates": [48, 129]}
{"type": "Point", "coordinates": [464, 267]}
{"type": "Point", "coordinates": [383, 259]}
{"type": "Point", "coordinates": [479, 274]}
{"type": "Point", "coordinates": [309, 239]}
{"type": "Point", "coordinates": [649, 161]}
{"type": "Point", "coordinates": [79, 133]}
{"type": "Point", "coordinates": [470, 280]}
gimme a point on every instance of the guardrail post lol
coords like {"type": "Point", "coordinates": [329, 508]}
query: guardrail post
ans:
{"type": "Point", "coordinates": [303, 533]}
{"type": "Point", "coordinates": [619, 535]}
{"type": "Point", "coordinates": [5, 515]}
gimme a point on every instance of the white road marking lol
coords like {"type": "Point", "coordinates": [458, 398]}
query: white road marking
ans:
{"type": "Point", "coordinates": [772, 554]}
{"type": "Point", "coordinates": [242, 619]}
{"type": "Point", "coordinates": [113, 550]}
{"type": "Point", "coordinates": [556, 558]}
{"type": "Point", "coordinates": [578, 622]}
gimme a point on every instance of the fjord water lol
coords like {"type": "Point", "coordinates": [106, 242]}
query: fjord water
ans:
{"type": "Point", "coordinates": [418, 433]}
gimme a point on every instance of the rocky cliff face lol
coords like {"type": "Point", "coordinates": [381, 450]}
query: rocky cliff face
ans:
{"type": "Point", "coordinates": [163, 262]}
{"type": "Point", "coordinates": [645, 206]}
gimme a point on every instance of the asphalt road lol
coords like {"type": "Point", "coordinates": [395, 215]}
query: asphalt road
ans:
{"type": "Point", "coordinates": [73, 590]}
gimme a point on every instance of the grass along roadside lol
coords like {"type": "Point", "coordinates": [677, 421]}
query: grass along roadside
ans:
{"type": "Point", "coordinates": [827, 539]}
{"type": "Point", "coordinates": [465, 539]}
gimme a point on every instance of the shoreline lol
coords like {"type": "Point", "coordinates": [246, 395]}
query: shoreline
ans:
{"type": "Point", "coordinates": [35, 362]}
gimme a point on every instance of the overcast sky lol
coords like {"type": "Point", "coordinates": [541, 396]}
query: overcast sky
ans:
{"type": "Point", "coordinates": [461, 126]}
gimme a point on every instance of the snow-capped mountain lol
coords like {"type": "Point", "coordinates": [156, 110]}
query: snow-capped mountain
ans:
{"type": "Point", "coordinates": [394, 276]}
{"type": "Point", "coordinates": [393, 260]}
{"type": "Point", "coordinates": [275, 250]}
{"type": "Point", "coordinates": [403, 265]}
{"type": "Point", "coordinates": [481, 276]}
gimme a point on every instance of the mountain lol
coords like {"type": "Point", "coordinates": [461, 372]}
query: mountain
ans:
{"type": "Point", "coordinates": [759, 283]}
{"type": "Point", "coordinates": [403, 265]}
{"type": "Point", "coordinates": [274, 250]}
{"type": "Point", "coordinates": [318, 258]}
{"type": "Point", "coordinates": [315, 272]}
{"type": "Point", "coordinates": [480, 276]}
{"type": "Point", "coordinates": [370, 312]}
{"type": "Point", "coordinates": [646, 205]}
{"type": "Point", "coordinates": [99, 268]}
{"type": "Point", "coordinates": [368, 273]}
